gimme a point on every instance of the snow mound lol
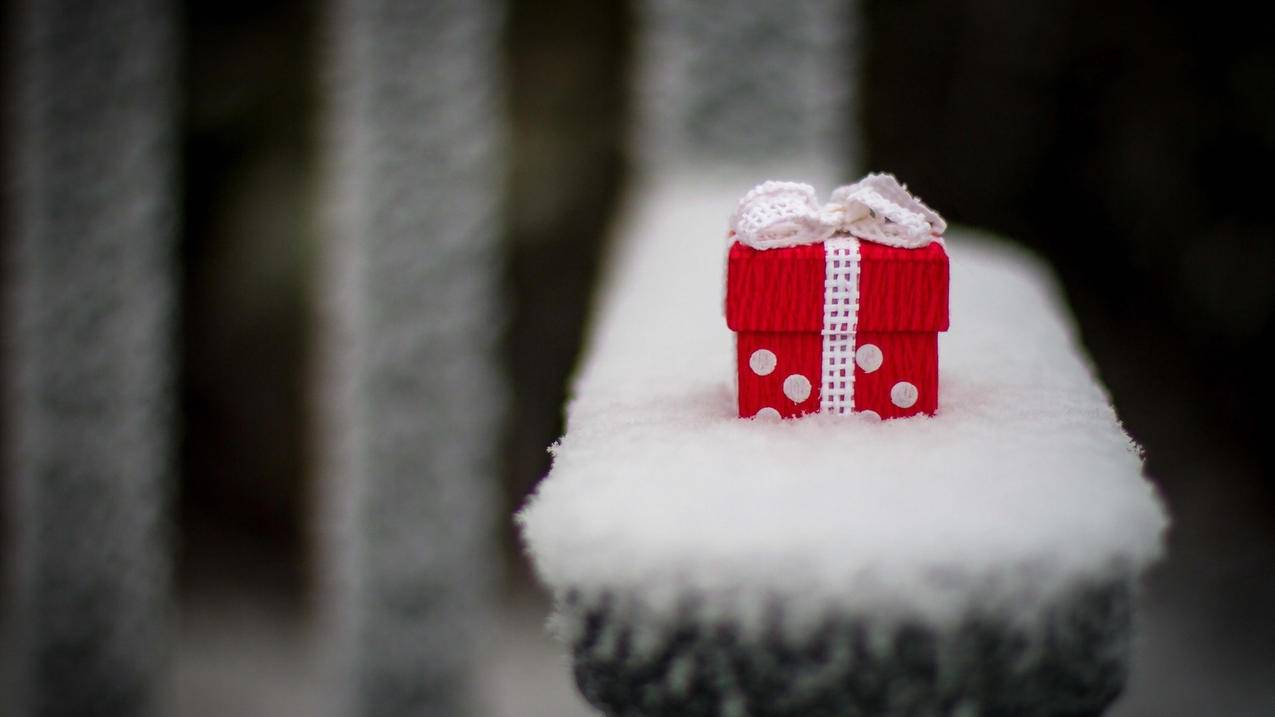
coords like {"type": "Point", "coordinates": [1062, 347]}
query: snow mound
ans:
{"type": "Point", "coordinates": [1023, 488]}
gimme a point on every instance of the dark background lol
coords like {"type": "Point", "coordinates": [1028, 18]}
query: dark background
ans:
{"type": "Point", "coordinates": [1127, 142]}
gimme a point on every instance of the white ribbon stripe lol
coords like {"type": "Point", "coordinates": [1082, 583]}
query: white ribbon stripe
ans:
{"type": "Point", "coordinates": [840, 323]}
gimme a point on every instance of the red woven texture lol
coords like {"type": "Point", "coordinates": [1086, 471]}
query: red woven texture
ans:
{"type": "Point", "coordinates": [797, 353]}
{"type": "Point", "coordinates": [774, 301]}
{"type": "Point", "coordinates": [906, 356]}
{"type": "Point", "coordinates": [782, 289]}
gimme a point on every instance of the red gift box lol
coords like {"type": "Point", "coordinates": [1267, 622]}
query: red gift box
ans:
{"type": "Point", "coordinates": [839, 325]}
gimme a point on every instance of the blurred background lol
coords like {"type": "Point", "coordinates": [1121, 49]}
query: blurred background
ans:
{"type": "Point", "coordinates": [293, 292]}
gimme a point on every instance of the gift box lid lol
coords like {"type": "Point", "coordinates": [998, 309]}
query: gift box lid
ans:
{"type": "Point", "coordinates": [783, 289]}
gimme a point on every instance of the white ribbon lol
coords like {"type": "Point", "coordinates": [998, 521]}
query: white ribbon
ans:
{"type": "Point", "coordinates": [876, 208]}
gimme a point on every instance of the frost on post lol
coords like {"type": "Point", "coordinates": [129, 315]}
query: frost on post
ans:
{"type": "Point", "coordinates": [88, 369]}
{"type": "Point", "coordinates": [411, 394]}
{"type": "Point", "coordinates": [746, 83]}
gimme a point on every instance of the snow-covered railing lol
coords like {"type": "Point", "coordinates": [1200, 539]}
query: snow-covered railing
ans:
{"type": "Point", "coordinates": [983, 557]}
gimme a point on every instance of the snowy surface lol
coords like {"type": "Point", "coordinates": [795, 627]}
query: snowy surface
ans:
{"type": "Point", "coordinates": [1022, 486]}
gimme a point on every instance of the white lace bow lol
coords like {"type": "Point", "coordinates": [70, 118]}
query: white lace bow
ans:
{"type": "Point", "coordinates": [876, 208]}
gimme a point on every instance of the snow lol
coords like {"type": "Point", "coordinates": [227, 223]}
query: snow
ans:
{"type": "Point", "coordinates": [1023, 487]}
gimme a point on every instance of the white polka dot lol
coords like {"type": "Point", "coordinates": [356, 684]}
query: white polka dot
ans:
{"type": "Point", "coordinates": [767, 414]}
{"type": "Point", "coordinates": [869, 357]}
{"type": "Point", "coordinates": [903, 394]}
{"type": "Point", "coordinates": [870, 415]}
{"type": "Point", "coordinates": [797, 388]}
{"type": "Point", "coordinates": [762, 362]}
